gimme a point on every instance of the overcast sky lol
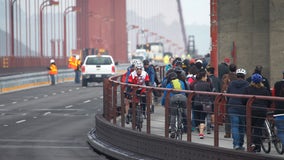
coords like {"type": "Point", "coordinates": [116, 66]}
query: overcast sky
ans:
{"type": "Point", "coordinates": [196, 12]}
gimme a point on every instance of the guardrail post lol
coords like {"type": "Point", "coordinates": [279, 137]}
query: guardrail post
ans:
{"type": "Point", "coordinates": [217, 103]}
{"type": "Point", "coordinates": [114, 103]}
{"type": "Point", "coordinates": [189, 110]}
{"type": "Point", "coordinates": [167, 114]}
{"type": "Point", "coordinates": [148, 103]}
{"type": "Point", "coordinates": [122, 99]}
{"type": "Point", "coordinates": [248, 121]}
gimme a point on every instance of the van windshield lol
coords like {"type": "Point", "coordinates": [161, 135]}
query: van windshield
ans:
{"type": "Point", "coordinates": [99, 61]}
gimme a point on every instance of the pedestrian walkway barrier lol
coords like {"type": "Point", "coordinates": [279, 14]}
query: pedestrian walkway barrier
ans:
{"type": "Point", "coordinates": [112, 130]}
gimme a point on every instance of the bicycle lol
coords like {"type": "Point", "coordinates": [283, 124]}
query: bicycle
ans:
{"type": "Point", "coordinates": [139, 110]}
{"type": "Point", "coordinates": [178, 122]}
{"type": "Point", "coordinates": [269, 134]}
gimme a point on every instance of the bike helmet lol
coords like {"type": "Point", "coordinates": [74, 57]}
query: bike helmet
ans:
{"type": "Point", "coordinates": [172, 76]}
{"type": "Point", "coordinates": [139, 65]}
{"type": "Point", "coordinates": [178, 69]}
{"type": "Point", "coordinates": [241, 71]}
{"type": "Point", "coordinates": [256, 78]}
{"type": "Point", "coordinates": [52, 61]}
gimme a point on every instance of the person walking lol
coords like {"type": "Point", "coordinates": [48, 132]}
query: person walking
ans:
{"type": "Point", "coordinates": [236, 110]}
{"type": "Point", "coordinates": [52, 71]}
{"type": "Point", "coordinates": [265, 82]}
{"type": "Point", "coordinates": [223, 68]}
{"type": "Point", "coordinates": [279, 109]}
{"type": "Point", "coordinates": [258, 110]}
{"type": "Point", "coordinates": [201, 100]}
{"type": "Point", "coordinates": [77, 69]}
{"type": "Point", "coordinates": [226, 79]}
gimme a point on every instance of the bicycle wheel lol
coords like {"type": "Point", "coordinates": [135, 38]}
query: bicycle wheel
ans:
{"type": "Point", "coordinates": [179, 126]}
{"type": "Point", "coordinates": [266, 142]}
{"type": "Point", "coordinates": [139, 118]}
{"type": "Point", "coordinates": [278, 145]}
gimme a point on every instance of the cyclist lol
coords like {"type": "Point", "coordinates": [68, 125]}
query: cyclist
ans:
{"type": "Point", "coordinates": [139, 77]}
{"type": "Point", "coordinates": [177, 98]}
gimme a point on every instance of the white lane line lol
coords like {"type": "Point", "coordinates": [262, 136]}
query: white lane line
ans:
{"type": "Point", "coordinates": [23, 114]}
{"type": "Point", "coordinates": [35, 97]}
{"type": "Point", "coordinates": [53, 93]}
{"type": "Point", "coordinates": [87, 101]}
{"type": "Point", "coordinates": [45, 95]}
{"type": "Point", "coordinates": [21, 121]}
{"type": "Point", "coordinates": [2, 105]}
{"type": "Point", "coordinates": [5, 125]}
{"type": "Point", "coordinates": [62, 91]}
{"type": "Point", "coordinates": [77, 88]}
{"type": "Point", "coordinates": [70, 106]}
{"type": "Point", "coordinates": [47, 109]}
{"type": "Point", "coordinates": [25, 100]}
{"type": "Point", "coordinates": [70, 90]}
{"type": "Point", "coordinates": [14, 102]}
{"type": "Point", "coordinates": [46, 113]}
{"type": "Point", "coordinates": [43, 147]}
{"type": "Point", "coordinates": [34, 117]}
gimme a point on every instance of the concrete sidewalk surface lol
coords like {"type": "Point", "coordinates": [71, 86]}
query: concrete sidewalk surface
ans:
{"type": "Point", "coordinates": [157, 127]}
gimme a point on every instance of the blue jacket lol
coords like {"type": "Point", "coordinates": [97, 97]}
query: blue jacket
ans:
{"type": "Point", "coordinates": [170, 85]}
{"type": "Point", "coordinates": [151, 72]}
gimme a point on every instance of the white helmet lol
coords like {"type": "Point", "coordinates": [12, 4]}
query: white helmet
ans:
{"type": "Point", "coordinates": [242, 71]}
{"type": "Point", "coordinates": [52, 61]}
{"type": "Point", "coordinates": [139, 65]}
{"type": "Point", "coordinates": [77, 57]}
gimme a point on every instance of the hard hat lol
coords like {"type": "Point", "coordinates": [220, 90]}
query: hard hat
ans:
{"type": "Point", "coordinates": [77, 57]}
{"type": "Point", "coordinates": [52, 61]}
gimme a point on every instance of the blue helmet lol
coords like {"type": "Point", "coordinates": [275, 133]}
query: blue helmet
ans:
{"type": "Point", "coordinates": [256, 78]}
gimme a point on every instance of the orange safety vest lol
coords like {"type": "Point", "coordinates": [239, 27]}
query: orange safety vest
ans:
{"type": "Point", "coordinates": [72, 63]}
{"type": "Point", "coordinates": [53, 69]}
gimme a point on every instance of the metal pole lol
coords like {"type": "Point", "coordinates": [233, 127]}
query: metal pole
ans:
{"type": "Point", "coordinates": [12, 27]}
{"type": "Point", "coordinates": [214, 35]}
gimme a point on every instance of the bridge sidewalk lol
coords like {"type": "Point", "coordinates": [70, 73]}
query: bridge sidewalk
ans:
{"type": "Point", "coordinates": [158, 128]}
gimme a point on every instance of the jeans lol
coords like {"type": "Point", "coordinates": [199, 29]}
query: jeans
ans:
{"type": "Point", "coordinates": [52, 77]}
{"type": "Point", "coordinates": [77, 76]}
{"type": "Point", "coordinates": [238, 129]}
{"type": "Point", "coordinates": [279, 122]}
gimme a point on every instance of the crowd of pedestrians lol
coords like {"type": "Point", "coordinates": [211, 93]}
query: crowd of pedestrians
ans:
{"type": "Point", "coordinates": [198, 75]}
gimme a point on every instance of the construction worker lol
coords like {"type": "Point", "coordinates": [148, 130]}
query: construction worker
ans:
{"type": "Point", "coordinates": [52, 71]}
{"type": "Point", "coordinates": [72, 62]}
{"type": "Point", "coordinates": [77, 69]}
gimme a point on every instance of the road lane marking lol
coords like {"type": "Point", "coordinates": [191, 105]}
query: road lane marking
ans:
{"type": "Point", "coordinates": [54, 94]}
{"type": "Point", "coordinates": [14, 102]}
{"type": "Point", "coordinates": [20, 121]}
{"type": "Point", "coordinates": [70, 106]}
{"type": "Point", "coordinates": [25, 100]}
{"type": "Point", "coordinates": [87, 101]}
{"type": "Point", "coordinates": [49, 109]}
{"type": "Point", "coordinates": [43, 147]}
{"type": "Point", "coordinates": [46, 113]}
{"type": "Point", "coordinates": [62, 91]}
{"type": "Point", "coordinates": [2, 105]}
{"type": "Point", "coordinates": [35, 97]}
{"type": "Point", "coordinates": [45, 95]}
{"type": "Point", "coordinates": [5, 125]}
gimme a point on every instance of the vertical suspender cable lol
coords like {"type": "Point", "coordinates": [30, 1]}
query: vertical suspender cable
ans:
{"type": "Point", "coordinates": [27, 44]}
